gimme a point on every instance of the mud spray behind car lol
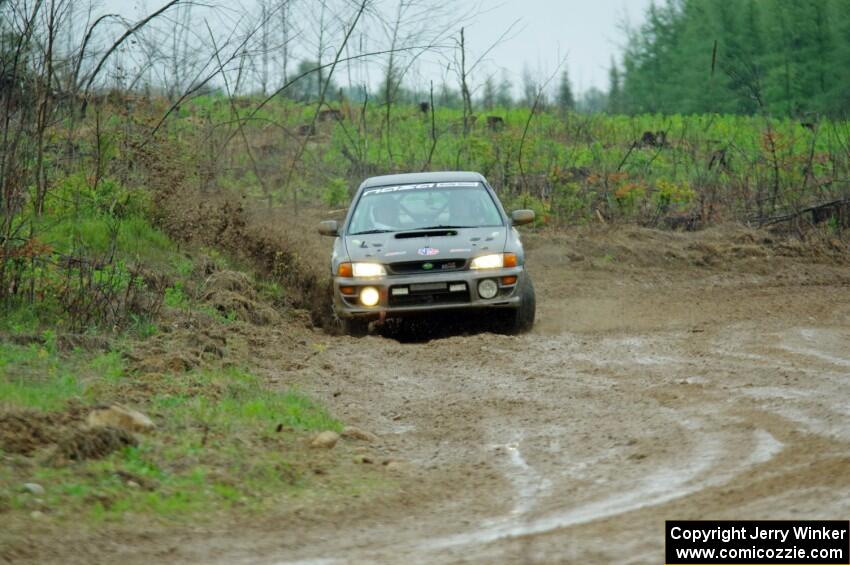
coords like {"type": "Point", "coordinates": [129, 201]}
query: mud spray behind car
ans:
{"type": "Point", "coordinates": [424, 242]}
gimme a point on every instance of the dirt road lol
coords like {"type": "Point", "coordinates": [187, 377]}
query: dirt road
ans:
{"type": "Point", "coordinates": [669, 377]}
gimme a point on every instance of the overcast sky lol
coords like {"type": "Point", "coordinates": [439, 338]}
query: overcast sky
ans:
{"type": "Point", "coordinates": [585, 32]}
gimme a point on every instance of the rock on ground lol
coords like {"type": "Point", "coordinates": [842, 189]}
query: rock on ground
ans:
{"type": "Point", "coordinates": [33, 488]}
{"type": "Point", "coordinates": [351, 432]}
{"type": "Point", "coordinates": [325, 440]}
{"type": "Point", "coordinates": [117, 416]}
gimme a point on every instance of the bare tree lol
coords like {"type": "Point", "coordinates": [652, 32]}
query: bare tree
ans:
{"type": "Point", "coordinates": [45, 96]}
{"type": "Point", "coordinates": [426, 22]}
{"type": "Point", "coordinates": [535, 105]}
{"type": "Point", "coordinates": [284, 8]}
{"type": "Point", "coordinates": [264, 46]}
{"type": "Point", "coordinates": [324, 87]}
{"type": "Point", "coordinates": [126, 35]}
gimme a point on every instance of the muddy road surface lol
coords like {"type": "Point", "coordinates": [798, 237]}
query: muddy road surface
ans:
{"type": "Point", "coordinates": [668, 377]}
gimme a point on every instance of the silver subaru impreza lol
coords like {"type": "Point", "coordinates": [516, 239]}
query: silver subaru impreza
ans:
{"type": "Point", "coordinates": [422, 242]}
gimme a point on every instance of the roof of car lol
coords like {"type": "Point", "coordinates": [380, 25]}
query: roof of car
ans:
{"type": "Point", "coordinates": [415, 178]}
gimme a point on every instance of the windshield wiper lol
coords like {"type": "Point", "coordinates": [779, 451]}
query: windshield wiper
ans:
{"type": "Point", "coordinates": [367, 232]}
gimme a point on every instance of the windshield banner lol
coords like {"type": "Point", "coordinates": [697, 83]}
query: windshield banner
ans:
{"type": "Point", "coordinates": [402, 187]}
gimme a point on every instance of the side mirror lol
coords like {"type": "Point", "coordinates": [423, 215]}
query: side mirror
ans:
{"type": "Point", "coordinates": [329, 228]}
{"type": "Point", "coordinates": [521, 217]}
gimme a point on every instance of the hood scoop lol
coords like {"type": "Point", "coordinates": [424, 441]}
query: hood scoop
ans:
{"type": "Point", "coordinates": [425, 233]}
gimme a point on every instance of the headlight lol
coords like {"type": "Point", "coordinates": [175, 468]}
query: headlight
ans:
{"type": "Point", "coordinates": [494, 261]}
{"type": "Point", "coordinates": [369, 270]}
{"type": "Point", "coordinates": [369, 296]}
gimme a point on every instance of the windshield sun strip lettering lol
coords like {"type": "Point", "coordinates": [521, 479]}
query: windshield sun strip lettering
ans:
{"type": "Point", "coordinates": [405, 187]}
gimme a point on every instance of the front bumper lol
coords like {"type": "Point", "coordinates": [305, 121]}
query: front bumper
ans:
{"type": "Point", "coordinates": [427, 292]}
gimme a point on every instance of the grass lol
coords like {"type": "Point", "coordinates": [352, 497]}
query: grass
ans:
{"type": "Point", "coordinates": [42, 395]}
{"type": "Point", "coordinates": [224, 440]}
{"type": "Point", "coordinates": [92, 234]}
{"type": "Point", "coordinates": [21, 319]}
{"type": "Point", "coordinates": [99, 490]}
{"type": "Point", "coordinates": [35, 377]}
{"type": "Point", "coordinates": [235, 399]}
{"type": "Point", "coordinates": [110, 366]}
{"type": "Point", "coordinates": [175, 297]}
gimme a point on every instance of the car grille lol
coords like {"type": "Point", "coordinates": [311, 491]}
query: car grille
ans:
{"type": "Point", "coordinates": [420, 267]}
{"type": "Point", "coordinates": [436, 294]}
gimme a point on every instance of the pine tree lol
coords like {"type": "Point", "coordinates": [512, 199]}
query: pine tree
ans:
{"type": "Point", "coordinates": [615, 105]}
{"type": "Point", "coordinates": [448, 97]}
{"type": "Point", "coordinates": [744, 65]}
{"type": "Point", "coordinates": [564, 99]}
{"type": "Point", "coordinates": [529, 87]}
{"type": "Point", "coordinates": [592, 101]}
{"type": "Point", "coordinates": [838, 97]}
{"type": "Point", "coordinates": [488, 96]}
{"type": "Point", "coordinates": [504, 93]}
{"type": "Point", "coordinates": [780, 56]}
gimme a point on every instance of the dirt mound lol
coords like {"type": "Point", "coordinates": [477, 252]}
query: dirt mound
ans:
{"type": "Point", "coordinates": [230, 281]}
{"type": "Point", "coordinates": [275, 249]}
{"type": "Point", "coordinates": [25, 431]}
{"type": "Point", "coordinates": [734, 241]}
{"type": "Point", "coordinates": [65, 341]}
{"type": "Point", "coordinates": [179, 351]}
{"type": "Point", "coordinates": [94, 443]}
{"type": "Point", "coordinates": [232, 294]}
{"type": "Point", "coordinates": [237, 307]}
{"type": "Point", "coordinates": [718, 246]}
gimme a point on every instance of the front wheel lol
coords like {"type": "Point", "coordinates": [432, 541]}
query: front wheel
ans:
{"type": "Point", "coordinates": [521, 319]}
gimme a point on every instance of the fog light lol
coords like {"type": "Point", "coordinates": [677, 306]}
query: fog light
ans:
{"type": "Point", "coordinates": [369, 296]}
{"type": "Point", "coordinates": [487, 288]}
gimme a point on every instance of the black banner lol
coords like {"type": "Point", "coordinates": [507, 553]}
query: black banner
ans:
{"type": "Point", "coordinates": [767, 542]}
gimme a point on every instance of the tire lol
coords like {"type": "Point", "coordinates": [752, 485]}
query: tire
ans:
{"type": "Point", "coordinates": [521, 319]}
{"type": "Point", "coordinates": [355, 327]}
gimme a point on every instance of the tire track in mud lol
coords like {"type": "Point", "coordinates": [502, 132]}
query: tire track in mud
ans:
{"type": "Point", "coordinates": [644, 394]}
{"type": "Point", "coordinates": [791, 460]}
{"type": "Point", "coordinates": [812, 384]}
{"type": "Point", "coordinates": [658, 487]}
{"type": "Point", "coordinates": [683, 401]}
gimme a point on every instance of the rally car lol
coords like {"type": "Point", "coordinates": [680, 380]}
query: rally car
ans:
{"type": "Point", "coordinates": [421, 242]}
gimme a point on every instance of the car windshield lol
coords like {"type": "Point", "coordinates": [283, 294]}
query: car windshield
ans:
{"type": "Point", "coordinates": [424, 206]}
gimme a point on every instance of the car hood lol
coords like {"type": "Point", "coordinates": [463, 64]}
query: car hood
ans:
{"type": "Point", "coordinates": [387, 248]}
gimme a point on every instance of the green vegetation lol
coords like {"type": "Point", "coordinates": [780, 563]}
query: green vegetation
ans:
{"type": "Point", "coordinates": [657, 170]}
{"type": "Point", "coordinates": [224, 439]}
{"type": "Point", "coordinates": [776, 56]}
{"type": "Point", "coordinates": [121, 203]}
{"type": "Point", "coordinates": [85, 260]}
